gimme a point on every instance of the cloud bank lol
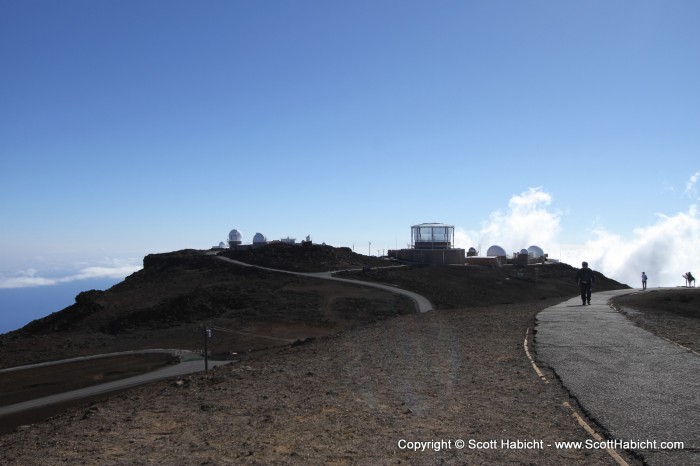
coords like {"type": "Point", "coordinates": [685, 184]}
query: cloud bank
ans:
{"type": "Point", "coordinates": [665, 250]}
{"type": "Point", "coordinates": [32, 278]}
{"type": "Point", "coordinates": [529, 220]}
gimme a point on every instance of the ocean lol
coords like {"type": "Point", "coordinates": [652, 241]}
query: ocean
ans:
{"type": "Point", "coordinates": [19, 306]}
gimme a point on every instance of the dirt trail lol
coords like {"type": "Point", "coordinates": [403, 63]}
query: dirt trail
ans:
{"type": "Point", "coordinates": [350, 399]}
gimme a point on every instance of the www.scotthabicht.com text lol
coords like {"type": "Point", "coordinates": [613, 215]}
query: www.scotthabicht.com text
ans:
{"type": "Point", "coordinates": [533, 444]}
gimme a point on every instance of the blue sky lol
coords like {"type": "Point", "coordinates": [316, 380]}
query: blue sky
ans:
{"type": "Point", "coordinates": [135, 127]}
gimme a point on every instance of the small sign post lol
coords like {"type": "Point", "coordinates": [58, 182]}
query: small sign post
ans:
{"type": "Point", "coordinates": [207, 336]}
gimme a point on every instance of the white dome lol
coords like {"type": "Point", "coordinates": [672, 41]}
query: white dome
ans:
{"type": "Point", "coordinates": [523, 251]}
{"type": "Point", "coordinates": [535, 251]}
{"type": "Point", "coordinates": [472, 250]}
{"type": "Point", "coordinates": [235, 235]}
{"type": "Point", "coordinates": [259, 238]}
{"type": "Point", "coordinates": [496, 251]}
{"type": "Point", "coordinates": [222, 244]}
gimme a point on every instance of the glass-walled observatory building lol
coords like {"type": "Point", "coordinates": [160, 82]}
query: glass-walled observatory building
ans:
{"type": "Point", "coordinates": [431, 243]}
{"type": "Point", "coordinates": [432, 236]}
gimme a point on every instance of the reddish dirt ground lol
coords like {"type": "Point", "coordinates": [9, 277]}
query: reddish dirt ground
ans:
{"type": "Point", "coordinates": [366, 373]}
{"type": "Point", "coordinates": [346, 399]}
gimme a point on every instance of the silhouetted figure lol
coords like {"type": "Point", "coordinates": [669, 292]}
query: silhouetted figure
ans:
{"type": "Point", "coordinates": [644, 281]}
{"type": "Point", "coordinates": [585, 280]}
{"type": "Point", "coordinates": [689, 279]}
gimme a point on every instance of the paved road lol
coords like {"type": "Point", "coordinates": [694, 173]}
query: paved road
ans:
{"type": "Point", "coordinates": [422, 303]}
{"type": "Point", "coordinates": [636, 385]}
{"type": "Point", "coordinates": [188, 365]}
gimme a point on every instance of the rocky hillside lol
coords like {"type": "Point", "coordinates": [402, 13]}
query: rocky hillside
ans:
{"type": "Point", "coordinates": [170, 301]}
{"type": "Point", "coordinates": [450, 287]}
{"type": "Point", "coordinates": [304, 258]}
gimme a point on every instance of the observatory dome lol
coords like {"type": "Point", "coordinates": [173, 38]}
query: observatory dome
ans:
{"type": "Point", "coordinates": [235, 236]}
{"type": "Point", "coordinates": [535, 251]}
{"type": "Point", "coordinates": [524, 252]}
{"type": "Point", "coordinates": [472, 251]}
{"type": "Point", "coordinates": [259, 238]}
{"type": "Point", "coordinates": [496, 251]}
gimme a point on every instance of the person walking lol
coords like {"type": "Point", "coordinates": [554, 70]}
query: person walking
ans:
{"type": "Point", "coordinates": [644, 281]}
{"type": "Point", "coordinates": [585, 280]}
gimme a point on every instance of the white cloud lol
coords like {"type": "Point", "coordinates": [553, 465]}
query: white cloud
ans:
{"type": "Point", "coordinates": [690, 188]}
{"type": "Point", "coordinates": [529, 220]}
{"type": "Point", "coordinates": [465, 239]}
{"type": "Point", "coordinates": [665, 251]}
{"type": "Point", "coordinates": [31, 278]}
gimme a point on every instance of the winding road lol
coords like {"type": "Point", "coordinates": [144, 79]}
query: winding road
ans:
{"type": "Point", "coordinates": [422, 303]}
{"type": "Point", "coordinates": [190, 362]}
